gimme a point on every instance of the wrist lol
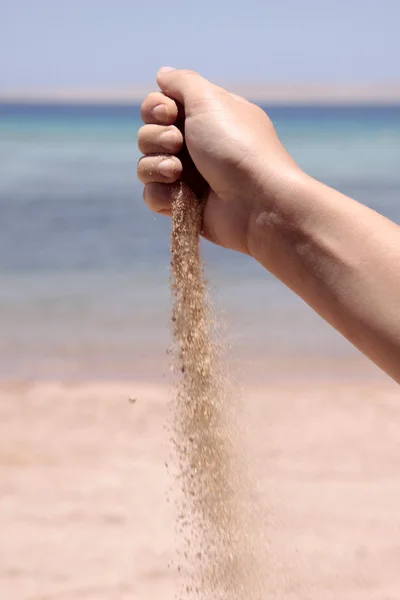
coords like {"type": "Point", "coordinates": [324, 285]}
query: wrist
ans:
{"type": "Point", "coordinates": [278, 218]}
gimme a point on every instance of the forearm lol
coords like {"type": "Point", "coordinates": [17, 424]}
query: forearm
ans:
{"type": "Point", "coordinates": [342, 258]}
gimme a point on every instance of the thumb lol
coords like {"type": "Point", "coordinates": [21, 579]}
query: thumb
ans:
{"type": "Point", "coordinates": [184, 86]}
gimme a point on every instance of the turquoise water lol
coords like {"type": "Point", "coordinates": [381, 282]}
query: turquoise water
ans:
{"type": "Point", "coordinates": [84, 264]}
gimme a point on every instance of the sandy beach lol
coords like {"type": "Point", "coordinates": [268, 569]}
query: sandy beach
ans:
{"type": "Point", "coordinates": [83, 489]}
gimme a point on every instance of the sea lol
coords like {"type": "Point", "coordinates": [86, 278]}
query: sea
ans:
{"type": "Point", "coordinates": [84, 265]}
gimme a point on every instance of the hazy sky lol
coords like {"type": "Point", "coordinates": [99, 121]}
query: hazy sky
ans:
{"type": "Point", "coordinates": [106, 43]}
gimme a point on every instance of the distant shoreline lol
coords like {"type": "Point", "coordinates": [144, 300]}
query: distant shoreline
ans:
{"type": "Point", "coordinates": [367, 94]}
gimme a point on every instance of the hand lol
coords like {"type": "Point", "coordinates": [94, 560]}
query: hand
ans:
{"type": "Point", "coordinates": [339, 256]}
{"type": "Point", "coordinates": [233, 158]}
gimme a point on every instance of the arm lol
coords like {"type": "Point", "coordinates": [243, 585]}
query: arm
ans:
{"type": "Point", "coordinates": [342, 258]}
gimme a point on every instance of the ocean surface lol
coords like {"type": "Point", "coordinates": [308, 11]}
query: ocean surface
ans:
{"type": "Point", "coordinates": [84, 265]}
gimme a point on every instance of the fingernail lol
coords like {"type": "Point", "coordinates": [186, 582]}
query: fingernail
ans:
{"type": "Point", "coordinates": [166, 69]}
{"type": "Point", "coordinates": [167, 167]}
{"type": "Point", "coordinates": [160, 112]}
{"type": "Point", "coordinates": [169, 139]}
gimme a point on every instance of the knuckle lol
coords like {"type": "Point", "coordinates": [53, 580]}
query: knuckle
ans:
{"type": "Point", "coordinates": [141, 165]}
{"type": "Point", "coordinates": [149, 102]}
{"type": "Point", "coordinates": [147, 195]}
{"type": "Point", "coordinates": [141, 134]}
{"type": "Point", "coordinates": [154, 97]}
{"type": "Point", "coordinates": [141, 145]}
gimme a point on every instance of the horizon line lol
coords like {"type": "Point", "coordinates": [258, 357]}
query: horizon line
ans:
{"type": "Point", "coordinates": [367, 93]}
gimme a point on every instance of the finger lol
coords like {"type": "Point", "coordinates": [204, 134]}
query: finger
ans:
{"type": "Point", "coordinates": [159, 109]}
{"type": "Point", "coordinates": [159, 168]}
{"type": "Point", "coordinates": [184, 86]}
{"type": "Point", "coordinates": [159, 196]}
{"type": "Point", "coordinates": [166, 213]}
{"type": "Point", "coordinates": [156, 139]}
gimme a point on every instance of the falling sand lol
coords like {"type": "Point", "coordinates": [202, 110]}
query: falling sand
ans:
{"type": "Point", "coordinates": [217, 561]}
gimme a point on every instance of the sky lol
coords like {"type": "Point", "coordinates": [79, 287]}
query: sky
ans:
{"type": "Point", "coordinates": [105, 44]}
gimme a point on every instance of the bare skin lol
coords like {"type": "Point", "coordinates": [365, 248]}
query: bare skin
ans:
{"type": "Point", "coordinates": [341, 257]}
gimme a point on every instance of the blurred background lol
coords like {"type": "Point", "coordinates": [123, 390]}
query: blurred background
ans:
{"type": "Point", "coordinates": [83, 265]}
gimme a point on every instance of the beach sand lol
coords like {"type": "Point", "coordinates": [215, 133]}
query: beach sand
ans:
{"type": "Point", "coordinates": [83, 510]}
